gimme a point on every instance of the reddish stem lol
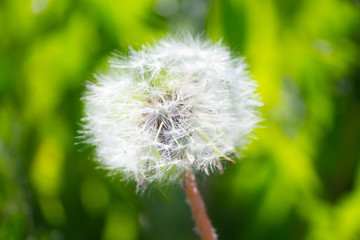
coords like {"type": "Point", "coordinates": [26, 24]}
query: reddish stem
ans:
{"type": "Point", "coordinates": [198, 208]}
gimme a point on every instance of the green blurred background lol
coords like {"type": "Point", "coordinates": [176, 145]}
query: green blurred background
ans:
{"type": "Point", "coordinates": [299, 180]}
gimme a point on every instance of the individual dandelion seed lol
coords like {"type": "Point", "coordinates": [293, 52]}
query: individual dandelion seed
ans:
{"type": "Point", "coordinates": [162, 113]}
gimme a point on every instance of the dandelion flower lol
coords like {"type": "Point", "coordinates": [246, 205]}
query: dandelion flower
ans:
{"type": "Point", "coordinates": [182, 104]}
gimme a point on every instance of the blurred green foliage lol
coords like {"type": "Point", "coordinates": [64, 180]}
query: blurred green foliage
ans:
{"type": "Point", "coordinates": [299, 180]}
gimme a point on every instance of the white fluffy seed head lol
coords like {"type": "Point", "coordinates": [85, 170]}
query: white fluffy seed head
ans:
{"type": "Point", "coordinates": [181, 104]}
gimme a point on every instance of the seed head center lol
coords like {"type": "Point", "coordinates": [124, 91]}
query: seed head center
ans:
{"type": "Point", "coordinates": [168, 118]}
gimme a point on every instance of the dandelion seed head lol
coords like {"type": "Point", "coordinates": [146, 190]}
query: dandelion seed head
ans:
{"type": "Point", "coordinates": [181, 104]}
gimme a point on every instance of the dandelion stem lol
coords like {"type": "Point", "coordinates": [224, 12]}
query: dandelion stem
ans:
{"type": "Point", "coordinates": [198, 208]}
